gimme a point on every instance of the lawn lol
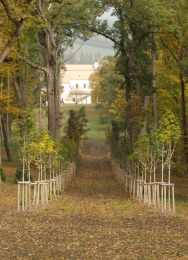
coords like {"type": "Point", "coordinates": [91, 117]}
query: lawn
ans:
{"type": "Point", "coordinates": [92, 114]}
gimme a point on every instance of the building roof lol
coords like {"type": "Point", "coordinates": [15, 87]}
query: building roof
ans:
{"type": "Point", "coordinates": [77, 72]}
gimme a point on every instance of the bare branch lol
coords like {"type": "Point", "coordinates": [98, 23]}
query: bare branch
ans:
{"type": "Point", "coordinates": [174, 56]}
{"type": "Point", "coordinates": [32, 64]}
{"type": "Point", "coordinates": [15, 34]}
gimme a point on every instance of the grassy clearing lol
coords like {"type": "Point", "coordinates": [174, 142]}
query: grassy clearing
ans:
{"type": "Point", "coordinates": [96, 131]}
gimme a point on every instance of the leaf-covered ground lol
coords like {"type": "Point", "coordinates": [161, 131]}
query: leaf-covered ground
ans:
{"type": "Point", "coordinates": [93, 219]}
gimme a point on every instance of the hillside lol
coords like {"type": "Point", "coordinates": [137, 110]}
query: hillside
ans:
{"type": "Point", "coordinates": [92, 50]}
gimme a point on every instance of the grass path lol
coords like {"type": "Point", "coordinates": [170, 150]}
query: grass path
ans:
{"type": "Point", "coordinates": [94, 219]}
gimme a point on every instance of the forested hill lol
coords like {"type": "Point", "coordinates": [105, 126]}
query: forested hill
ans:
{"type": "Point", "coordinates": [97, 41]}
{"type": "Point", "coordinates": [92, 50]}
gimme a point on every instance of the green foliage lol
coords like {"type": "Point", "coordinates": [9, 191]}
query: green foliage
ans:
{"type": "Point", "coordinates": [120, 150]}
{"type": "Point", "coordinates": [24, 128]}
{"type": "Point", "coordinates": [169, 129]}
{"type": "Point", "coordinates": [75, 131]}
{"type": "Point", "coordinates": [19, 175]}
{"type": "Point", "coordinates": [76, 127]}
{"type": "Point", "coordinates": [38, 147]}
{"type": "Point", "coordinates": [110, 81]}
{"type": "Point", "coordinates": [148, 149]}
{"type": "Point", "coordinates": [115, 130]}
{"type": "Point", "coordinates": [58, 192]}
{"type": "Point", "coordinates": [2, 174]}
{"type": "Point", "coordinates": [97, 106]}
{"type": "Point", "coordinates": [108, 135]}
{"type": "Point", "coordinates": [102, 120]}
{"type": "Point", "coordinates": [67, 151]}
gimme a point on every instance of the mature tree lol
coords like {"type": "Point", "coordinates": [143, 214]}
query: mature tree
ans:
{"type": "Point", "coordinates": [132, 36]}
{"type": "Point", "coordinates": [76, 127]}
{"type": "Point", "coordinates": [13, 16]}
{"type": "Point", "coordinates": [8, 107]}
{"type": "Point", "coordinates": [174, 38]}
{"type": "Point", "coordinates": [57, 28]}
{"type": "Point", "coordinates": [107, 84]}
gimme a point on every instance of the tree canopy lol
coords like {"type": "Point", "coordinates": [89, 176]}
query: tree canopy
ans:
{"type": "Point", "coordinates": [147, 76]}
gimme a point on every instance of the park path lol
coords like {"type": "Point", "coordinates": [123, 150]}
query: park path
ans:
{"type": "Point", "coordinates": [93, 220]}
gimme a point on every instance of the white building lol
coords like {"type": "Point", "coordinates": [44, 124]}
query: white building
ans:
{"type": "Point", "coordinates": [76, 85]}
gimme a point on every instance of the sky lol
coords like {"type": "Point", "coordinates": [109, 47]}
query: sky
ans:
{"type": "Point", "coordinates": [107, 16]}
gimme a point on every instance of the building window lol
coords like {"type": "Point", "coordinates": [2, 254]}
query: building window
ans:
{"type": "Point", "coordinates": [76, 85]}
{"type": "Point", "coordinates": [84, 85]}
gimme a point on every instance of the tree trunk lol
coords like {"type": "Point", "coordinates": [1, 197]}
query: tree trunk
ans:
{"type": "Point", "coordinates": [128, 110]}
{"type": "Point", "coordinates": [57, 98]}
{"type": "Point", "coordinates": [51, 109]}
{"type": "Point", "coordinates": [7, 115]}
{"type": "Point", "coordinates": [134, 72]}
{"type": "Point", "coordinates": [128, 95]}
{"type": "Point", "coordinates": [19, 88]}
{"type": "Point", "coordinates": [126, 73]}
{"type": "Point", "coordinates": [50, 63]}
{"type": "Point", "coordinates": [132, 52]}
{"type": "Point", "coordinates": [15, 34]}
{"type": "Point", "coordinates": [5, 140]}
{"type": "Point", "coordinates": [184, 121]}
{"type": "Point", "coordinates": [154, 81]}
{"type": "Point", "coordinates": [146, 103]}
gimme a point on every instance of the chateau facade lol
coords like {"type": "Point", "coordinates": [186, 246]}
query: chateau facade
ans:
{"type": "Point", "coordinates": [76, 86]}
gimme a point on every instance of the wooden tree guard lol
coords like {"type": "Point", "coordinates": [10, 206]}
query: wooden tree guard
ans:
{"type": "Point", "coordinates": [137, 188]}
{"type": "Point", "coordinates": [50, 189]}
{"type": "Point", "coordinates": [73, 167]}
{"type": "Point", "coordinates": [124, 179]}
{"type": "Point", "coordinates": [148, 193]}
{"type": "Point", "coordinates": [63, 180]}
{"type": "Point", "coordinates": [41, 192]}
{"type": "Point", "coordinates": [24, 195]}
{"type": "Point", "coordinates": [118, 175]}
{"type": "Point", "coordinates": [164, 199]}
{"type": "Point", "coordinates": [108, 153]}
{"type": "Point", "coordinates": [157, 194]}
{"type": "Point", "coordinates": [57, 186]}
{"type": "Point", "coordinates": [44, 189]}
{"type": "Point", "coordinates": [151, 193]}
{"type": "Point", "coordinates": [139, 191]}
{"type": "Point", "coordinates": [131, 184]}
